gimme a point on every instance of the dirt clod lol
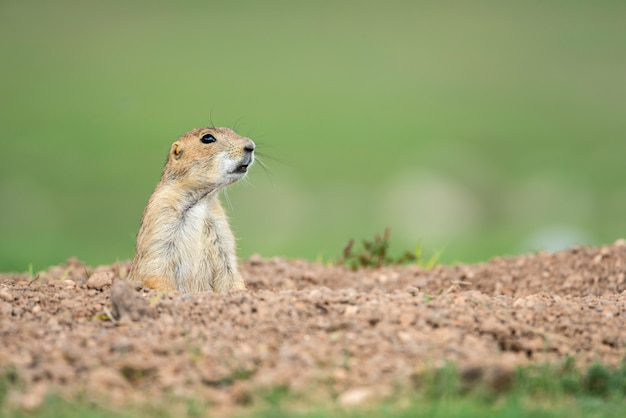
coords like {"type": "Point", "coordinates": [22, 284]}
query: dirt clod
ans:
{"type": "Point", "coordinates": [127, 303]}
{"type": "Point", "coordinates": [100, 280]}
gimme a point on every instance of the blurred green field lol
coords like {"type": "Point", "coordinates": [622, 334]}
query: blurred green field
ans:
{"type": "Point", "coordinates": [539, 391]}
{"type": "Point", "coordinates": [480, 128]}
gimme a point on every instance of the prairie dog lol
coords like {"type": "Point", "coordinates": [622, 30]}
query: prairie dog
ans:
{"type": "Point", "coordinates": [184, 242]}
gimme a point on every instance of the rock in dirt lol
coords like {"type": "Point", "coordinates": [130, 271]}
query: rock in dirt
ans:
{"type": "Point", "coordinates": [5, 309]}
{"type": "Point", "coordinates": [6, 295]}
{"type": "Point", "coordinates": [355, 396]}
{"type": "Point", "coordinates": [106, 379]}
{"type": "Point", "coordinates": [100, 280]}
{"type": "Point", "coordinates": [127, 303]}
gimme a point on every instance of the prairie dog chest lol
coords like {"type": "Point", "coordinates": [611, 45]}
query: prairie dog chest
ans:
{"type": "Point", "coordinates": [194, 223]}
{"type": "Point", "coordinates": [204, 228]}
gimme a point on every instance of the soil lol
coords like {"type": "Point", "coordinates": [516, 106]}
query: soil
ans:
{"type": "Point", "coordinates": [307, 328]}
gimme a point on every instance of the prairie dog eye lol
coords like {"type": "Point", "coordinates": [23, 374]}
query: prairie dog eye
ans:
{"type": "Point", "coordinates": [207, 139]}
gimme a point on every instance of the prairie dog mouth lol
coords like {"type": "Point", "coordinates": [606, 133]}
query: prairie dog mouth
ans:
{"type": "Point", "coordinates": [242, 168]}
{"type": "Point", "coordinates": [243, 165]}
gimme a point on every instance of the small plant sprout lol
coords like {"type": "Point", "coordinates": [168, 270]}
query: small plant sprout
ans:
{"type": "Point", "coordinates": [156, 298]}
{"type": "Point", "coordinates": [64, 275]}
{"type": "Point", "coordinates": [120, 273]}
{"type": "Point", "coordinates": [421, 261]}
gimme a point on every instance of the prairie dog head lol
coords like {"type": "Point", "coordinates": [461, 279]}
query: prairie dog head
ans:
{"type": "Point", "coordinates": [209, 158]}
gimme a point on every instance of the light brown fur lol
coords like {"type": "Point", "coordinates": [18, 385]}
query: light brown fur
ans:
{"type": "Point", "coordinates": [185, 242]}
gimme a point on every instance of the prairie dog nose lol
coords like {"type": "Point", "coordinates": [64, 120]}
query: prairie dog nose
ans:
{"type": "Point", "coordinates": [249, 146]}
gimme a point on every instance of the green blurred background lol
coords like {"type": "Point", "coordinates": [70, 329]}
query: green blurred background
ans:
{"type": "Point", "coordinates": [478, 128]}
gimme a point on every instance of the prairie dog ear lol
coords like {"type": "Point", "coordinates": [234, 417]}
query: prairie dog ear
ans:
{"type": "Point", "coordinates": [177, 150]}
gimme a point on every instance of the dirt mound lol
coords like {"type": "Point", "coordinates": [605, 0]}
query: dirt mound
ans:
{"type": "Point", "coordinates": [307, 327]}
